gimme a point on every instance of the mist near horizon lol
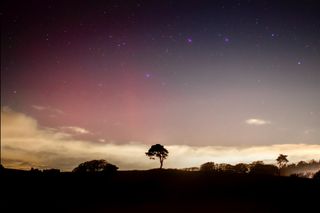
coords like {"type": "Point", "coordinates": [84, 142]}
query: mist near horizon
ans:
{"type": "Point", "coordinates": [222, 81]}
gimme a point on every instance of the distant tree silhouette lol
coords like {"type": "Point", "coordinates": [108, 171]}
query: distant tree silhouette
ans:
{"type": "Point", "coordinates": [295, 175]}
{"type": "Point", "coordinates": [95, 166]}
{"type": "Point", "coordinates": [158, 151]}
{"type": "Point", "coordinates": [228, 168]}
{"type": "Point", "coordinates": [313, 161]}
{"type": "Point", "coordinates": [35, 171]}
{"type": "Point", "coordinates": [241, 168]}
{"type": "Point", "coordinates": [191, 169]}
{"type": "Point", "coordinates": [263, 169]}
{"type": "Point", "coordinates": [224, 167]}
{"type": "Point", "coordinates": [317, 175]}
{"type": "Point", "coordinates": [302, 168]}
{"type": "Point", "coordinates": [207, 167]}
{"type": "Point", "coordinates": [302, 163]}
{"type": "Point", "coordinates": [260, 162]}
{"type": "Point", "coordinates": [282, 160]}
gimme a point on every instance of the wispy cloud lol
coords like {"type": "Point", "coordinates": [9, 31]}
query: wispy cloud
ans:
{"type": "Point", "coordinates": [308, 131]}
{"type": "Point", "coordinates": [257, 122]}
{"type": "Point", "coordinates": [75, 129]}
{"type": "Point", "coordinates": [37, 107]}
{"type": "Point", "coordinates": [47, 108]}
{"type": "Point", "coordinates": [26, 144]}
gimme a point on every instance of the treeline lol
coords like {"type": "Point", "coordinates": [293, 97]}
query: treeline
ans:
{"type": "Point", "coordinates": [304, 169]}
{"type": "Point", "coordinates": [256, 167]}
{"type": "Point", "coordinates": [300, 169]}
{"type": "Point", "coordinates": [93, 166]}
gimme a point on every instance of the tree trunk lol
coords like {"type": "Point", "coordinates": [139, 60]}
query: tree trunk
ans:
{"type": "Point", "coordinates": [161, 163]}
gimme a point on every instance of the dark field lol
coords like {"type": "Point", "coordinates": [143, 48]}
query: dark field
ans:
{"type": "Point", "coordinates": [156, 191]}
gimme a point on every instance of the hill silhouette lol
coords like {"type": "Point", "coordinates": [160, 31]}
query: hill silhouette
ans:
{"type": "Point", "coordinates": [157, 190]}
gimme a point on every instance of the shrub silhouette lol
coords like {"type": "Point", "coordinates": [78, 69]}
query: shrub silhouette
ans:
{"type": "Point", "coordinates": [95, 166]}
{"type": "Point", "coordinates": [317, 175]}
{"type": "Point", "coordinates": [158, 151]}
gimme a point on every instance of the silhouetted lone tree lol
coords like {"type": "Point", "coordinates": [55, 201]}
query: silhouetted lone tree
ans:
{"type": "Point", "coordinates": [158, 151]}
{"type": "Point", "coordinates": [282, 160]}
{"type": "Point", "coordinates": [95, 166]}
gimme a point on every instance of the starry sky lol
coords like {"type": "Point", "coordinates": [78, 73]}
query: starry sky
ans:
{"type": "Point", "coordinates": [179, 73]}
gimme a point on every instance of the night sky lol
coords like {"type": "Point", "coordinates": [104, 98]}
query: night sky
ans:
{"type": "Point", "coordinates": [184, 74]}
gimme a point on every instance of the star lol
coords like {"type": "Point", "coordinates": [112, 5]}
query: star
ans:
{"type": "Point", "coordinates": [189, 40]}
{"type": "Point", "coordinates": [147, 75]}
{"type": "Point", "coordinates": [299, 62]}
{"type": "Point", "coordinates": [226, 39]}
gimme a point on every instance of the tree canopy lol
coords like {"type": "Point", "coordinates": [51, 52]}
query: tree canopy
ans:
{"type": "Point", "coordinates": [207, 167]}
{"type": "Point", "coordinates": [282, 160]}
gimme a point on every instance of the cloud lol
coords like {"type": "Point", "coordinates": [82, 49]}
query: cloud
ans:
{"type": "Point", "coordinates": [308, 131]}
{"type": "Point", "coordinates": [37, 107]}
{"type": "Point", "coordinates": [257, 122]}
{"type": "Point", "coordinates": [25, 144]}
{"type": "Point", "coordinates": [76, 129]}
{"type": "Point", "coordinates": [47, 108]}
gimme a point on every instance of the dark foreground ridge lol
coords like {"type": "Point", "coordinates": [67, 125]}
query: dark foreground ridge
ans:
{"type": "Point", "coordinates": [156, 191]}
